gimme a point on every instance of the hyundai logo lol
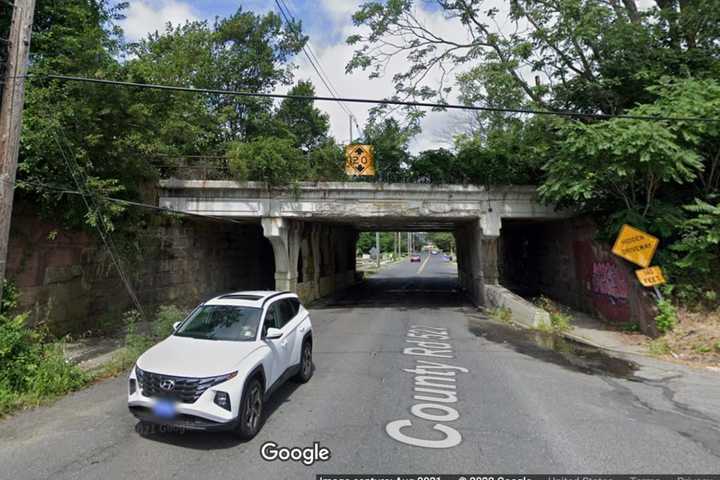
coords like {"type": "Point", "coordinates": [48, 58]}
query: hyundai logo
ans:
{"type": "Point", "coordinates": [167, 384]}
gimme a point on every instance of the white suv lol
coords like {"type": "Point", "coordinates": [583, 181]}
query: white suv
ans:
{"type": "Point", "coordinates": [222, 362]}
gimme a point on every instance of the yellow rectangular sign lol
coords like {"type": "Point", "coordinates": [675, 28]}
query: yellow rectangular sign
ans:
{"type": "Point", "coordinates": [635, 245]}
{"type": "Point", "coordinates": [650, 276]}
{"type": "Point", "coordinates": [359, 160]}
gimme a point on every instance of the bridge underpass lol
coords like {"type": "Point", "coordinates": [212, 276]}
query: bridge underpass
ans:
{"type": "Point", "coordinates": [314, 227]}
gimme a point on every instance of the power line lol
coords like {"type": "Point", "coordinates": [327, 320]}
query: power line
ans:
{"type": "Point", "coordinates": [67, 190]}
{"type": "Point", "coordinates": [312, 58]}
{"type": "Point", "coordinates": [451, 106]}
{"type": "Point", "coordinates": [101, 223]}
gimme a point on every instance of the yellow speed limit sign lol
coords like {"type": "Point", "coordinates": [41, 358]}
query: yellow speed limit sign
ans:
{"type": "Point", "coordinates": [359, 160]}
{"type": "Point", "coordinates": [651, 276]}
{"type": "Point", "coordinates": [635, 245]}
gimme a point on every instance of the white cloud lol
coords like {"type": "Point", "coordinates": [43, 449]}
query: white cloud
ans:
{"type": "Point", "coordinates": [438, 127]}
{"type": "Point", "coordinates": [148, 16]}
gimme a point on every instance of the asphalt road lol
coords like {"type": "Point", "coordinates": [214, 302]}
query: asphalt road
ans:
{"type": "Point", "coordinates": [519, 407]}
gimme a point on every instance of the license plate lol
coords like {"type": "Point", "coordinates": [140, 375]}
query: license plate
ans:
{"type": "Point", "coordinates": [164, 409]}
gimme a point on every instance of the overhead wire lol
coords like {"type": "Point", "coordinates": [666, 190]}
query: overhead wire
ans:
{"type": "Point", "coordinates": [435, 105]}
{"type": "Point", "coordinates": [312, 58]}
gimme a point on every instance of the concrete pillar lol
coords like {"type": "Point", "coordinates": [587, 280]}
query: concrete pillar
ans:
{"type": "Point", "coordinates": [315, 234]}
{"type": "Point", "coordinates": [490, 226]}
{"type": "Point", "coordinates": [490, 259]}
{"type": "Point", "coordinates": [285, 236]}
{"type": "Point", "coordinates": [470, 260]}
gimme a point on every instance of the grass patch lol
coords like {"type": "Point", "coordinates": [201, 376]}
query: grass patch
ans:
{"type": "Point", "coordinates": [501, 314]}
{"type": "Point", "coordinates": [137, 339]}
{"type": "Point", "coordinates": [659, 347]}
{"type": "Point", "coordinates": [560, 319]}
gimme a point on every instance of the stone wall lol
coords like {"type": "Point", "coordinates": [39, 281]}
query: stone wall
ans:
{"type": "Point", "coordinates": [67, 280]}
{"type": "Point", "coordinates": [563, 261]}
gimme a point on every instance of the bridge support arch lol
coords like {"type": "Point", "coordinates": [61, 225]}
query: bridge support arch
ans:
{"type": "Point", "coordinates": [312, 259]}
{"type": "Point", "coordinates": [285, 236]}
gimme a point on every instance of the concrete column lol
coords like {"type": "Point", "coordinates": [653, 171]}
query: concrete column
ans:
{"type": "Point", "coordinates": [490, 259]}
{"type": "Point", "coordinates": [285, 236]}
{"type": "Point", "coordinates": [470, 261]}
{"type": "Point", "coordinates": [490, 226]}
{"type": "Point", "coordinates": [315, 245]}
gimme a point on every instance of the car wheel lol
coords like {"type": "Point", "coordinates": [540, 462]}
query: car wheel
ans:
{"type": "Point", "coordinates": [251, 411]}
{"type": "Point", "coordinates": [306, 365]}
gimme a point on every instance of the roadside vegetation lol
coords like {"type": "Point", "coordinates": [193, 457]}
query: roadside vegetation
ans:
{"type": "Point", "coordinates": [33, 367]}
{"type": "Point", "coordinates": [500, 314]}
{"type": "Point", "coordinates": [560, 318]}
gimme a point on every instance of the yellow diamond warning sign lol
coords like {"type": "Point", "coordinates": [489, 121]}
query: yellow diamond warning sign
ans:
{"type": "Point", "coordinates": [359, 160]}
{"type": "Point", "coordinates": [635, 245]}
{"type": "Point", "coordinates": [651, 276]}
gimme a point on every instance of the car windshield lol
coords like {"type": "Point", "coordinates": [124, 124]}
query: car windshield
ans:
{"type": "Point", "coordinates": [221, 322]}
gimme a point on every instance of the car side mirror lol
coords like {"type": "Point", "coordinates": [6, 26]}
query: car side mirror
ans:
{"type": "Point", "coordinates": [176, 325]}
{"type": "Point", "coordinates": [273, 333]}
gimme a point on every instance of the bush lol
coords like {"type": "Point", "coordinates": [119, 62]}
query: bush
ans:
{"type": "Point", "coordinates": [166, 316]}
{"type": "Point", "coordinates": [666, 319]}
{"type": "Point", "coordinates": [32, 369]}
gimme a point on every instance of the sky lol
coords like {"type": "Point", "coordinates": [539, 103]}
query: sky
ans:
{"type": "Point", "coordinates": [327, 23]}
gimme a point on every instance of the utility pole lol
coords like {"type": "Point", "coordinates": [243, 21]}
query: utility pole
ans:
{"type": "Point", "coordinates": [377, 247]}
{"type": "Point", "coordinates": [11, 110]}
{"type": "Point", "coordinates": [350, 123]}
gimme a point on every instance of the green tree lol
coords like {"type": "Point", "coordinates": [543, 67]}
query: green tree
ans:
{"type": "Point", "coordinates": [306, 123]}
{"type": "Point", "coordinates": [597, 55]}
{"type": "Point", "coordinates": [445, 241]}
{"type": "Point", "coordinates": [273, 160]}
{"type": "Point", "coordinates": [390, 144]}
{"type": "Point", "coordinates": [435, 166]}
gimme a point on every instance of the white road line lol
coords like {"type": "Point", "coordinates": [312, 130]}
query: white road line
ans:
{"type": "Point", "coordinates": [423, 265]}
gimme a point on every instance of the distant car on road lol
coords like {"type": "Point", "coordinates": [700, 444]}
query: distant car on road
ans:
{"type": "Point", "coordinates": [415, 257]}
{"type": "Point", "coordinates": [434, 252]}
{"type": "Point", "coordinates": [219, 365]}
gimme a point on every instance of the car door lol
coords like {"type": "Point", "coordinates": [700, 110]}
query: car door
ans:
{"type": "Point", "coordinates": [278, 346]}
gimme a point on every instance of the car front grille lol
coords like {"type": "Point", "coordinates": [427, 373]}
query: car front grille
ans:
{"type": "Point", "coordinates": [181, 389]}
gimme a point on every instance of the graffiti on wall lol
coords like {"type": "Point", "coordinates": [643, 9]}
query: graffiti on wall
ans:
{"type": "Point", "coordinates": [608, 279]}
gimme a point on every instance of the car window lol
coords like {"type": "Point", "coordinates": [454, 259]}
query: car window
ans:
{"type": "Point", "coordinates": [286, 310]}
{"type": "Point", "coordinates": [295, 304]}
{"type": "Point", "coordinates": [273, 318]}
{"type": "Point", "coordinates": [221, 322]}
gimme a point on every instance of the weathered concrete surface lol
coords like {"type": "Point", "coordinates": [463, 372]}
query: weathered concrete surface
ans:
{"type": "Point", "coordinates": [311, 259]}
{"type": "Point", "coordinates": [366, 206]}
{"type": "Point", "coordinates": [523, 311]}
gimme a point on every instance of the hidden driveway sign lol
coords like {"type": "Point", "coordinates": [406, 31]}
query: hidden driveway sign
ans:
{"type": "Point", "coordinates": [359, 160]}
{"type": "Point", "coordinates": [635, 245]}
